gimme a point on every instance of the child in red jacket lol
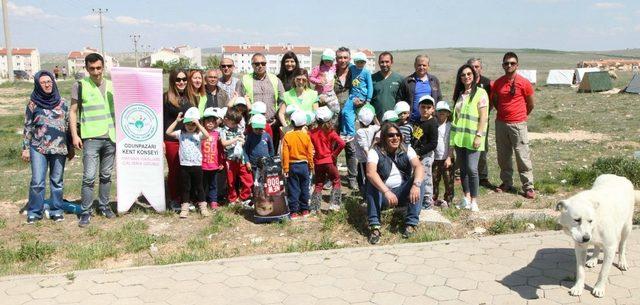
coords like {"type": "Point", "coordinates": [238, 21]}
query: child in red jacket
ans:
{"type": "Point", "coordinates": [327, 146]}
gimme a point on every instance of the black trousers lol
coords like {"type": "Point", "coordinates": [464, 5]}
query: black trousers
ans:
{"type": "Point", "coordinates": [191, 183]}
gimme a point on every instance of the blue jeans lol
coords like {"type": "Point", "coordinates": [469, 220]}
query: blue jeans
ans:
{"type": "Point", "coordinates": [469, 170]}
{"type": "Point", "coordinates": [210, 183]}
{"type": "Point", "coordinates": [348, 117]}
{"type": "Point", "coordinates": [376, 202]}
{"type": "Point", "coordinates": [298, 187]}
{"type": "Point", "coordinates": [102, 153]}
{"type": "Point", "coordinates": [39, 165]}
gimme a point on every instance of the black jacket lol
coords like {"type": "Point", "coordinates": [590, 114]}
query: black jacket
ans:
{"type": "Point", "coordinates": [408, 89]}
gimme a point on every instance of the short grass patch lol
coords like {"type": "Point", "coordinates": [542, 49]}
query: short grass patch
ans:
{"type": "Point", "coordinates": [309, 245]}
{"type": "Point", "coordinates": [621, 166]}
{"type": "Point", "coordinates": [430, 233]}
{"type": "Point", "coordinates": [510, 224]}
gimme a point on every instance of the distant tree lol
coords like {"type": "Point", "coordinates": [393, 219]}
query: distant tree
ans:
{"type": "Point", "coordinates": [182, 63]}
{"type": "Point", "coordinates": [212, 62]}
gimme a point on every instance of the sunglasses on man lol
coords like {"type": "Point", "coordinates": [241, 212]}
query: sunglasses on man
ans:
{"type": "Point", "coordinates": [259, 63]}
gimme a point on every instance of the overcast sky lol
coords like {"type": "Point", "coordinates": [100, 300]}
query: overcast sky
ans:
{"type": "Point", "coordinates": [65, 25]}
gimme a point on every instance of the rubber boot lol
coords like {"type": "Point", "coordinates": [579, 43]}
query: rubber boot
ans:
{"type": "Point", "coordinates": [316, 200]}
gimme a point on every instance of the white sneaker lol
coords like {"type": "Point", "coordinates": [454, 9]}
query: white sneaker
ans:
{"type": "Point", "coordinates": [464, 204]}
{"type": "Point", "coordinates": [474, 207]}
{"type": "Point", "coordinates": [334, 207]}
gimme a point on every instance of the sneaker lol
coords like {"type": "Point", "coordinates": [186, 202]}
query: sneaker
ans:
{"type": "Point", "coordinates": [316, 200]}
{"type": "Point", "coordinates": [106, 212]}
{"type": "Point", "coordinates": [335, 199]}
{"type": "Point", "coordinates": [32, 219]}
{"type": "Point", "coordinates": [409, 230]}
{"type": "Point", "coordinates": [353, 185]}
{"type": "Point", "coordinates": [474, 207]}
{"type": "Point", "coordinates": [174, 206]}
{"type": "Point", "coordinates": [213, 205]}
{"type": "Point", "coordinates": [247, 204]}
{"type": "Point", "coordinates": [334, 207]}
{"type": "Point", "coordinates": [503, 188]}
{"type": "Point", "coordinates": [444, 204]}
{"type": "Point", "coordinates": [374, 236]}
{"type": "Point", "coordinates": [184, 210]}
{"type": "Point", "coordinates": [294, 216]}
{"type": "Point", "coordinates": [530, 194]}
{"type": "Point", "coordinates": [464, 204]}
{"type": "Point", "coordinates": [305, 213]}
{"type": "Point", "coordinates": [203, 209]}
{"type": "Point", "coordinates": [57, 218]}
{"type": "Point", "coordinates": [85, 220]}
{"type": "Point", "coordinates": [327, 185]}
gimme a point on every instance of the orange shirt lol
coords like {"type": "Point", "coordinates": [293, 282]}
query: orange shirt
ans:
{"type": "Point", "coordinates": [296, 146]}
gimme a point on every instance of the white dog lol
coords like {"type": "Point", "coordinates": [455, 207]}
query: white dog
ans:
{"type": "Point", "coordinates": [602, 217]}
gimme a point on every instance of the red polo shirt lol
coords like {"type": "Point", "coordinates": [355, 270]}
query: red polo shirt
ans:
{"type": "Point", "coordinates": [511, 108]}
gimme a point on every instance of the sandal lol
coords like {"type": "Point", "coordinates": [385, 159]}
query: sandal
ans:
{"type": "Point", "coordinates": [374, 236]}
{"type": "Point", "coordinates": [409, 230]}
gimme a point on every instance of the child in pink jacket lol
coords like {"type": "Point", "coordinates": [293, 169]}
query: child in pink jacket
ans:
{"type": "Point", "coordinates": [322, 77]}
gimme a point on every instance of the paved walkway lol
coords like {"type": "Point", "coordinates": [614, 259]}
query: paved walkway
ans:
{"type": "Point", "coordinates": [531, 268]}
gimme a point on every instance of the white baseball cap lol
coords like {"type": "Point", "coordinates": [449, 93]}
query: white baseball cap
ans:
{"type": "Point", "coordinates": [427, 99]}
{"type": "Point", "coordinates": [365, 115]}
{"type": "Point", "coordinates": [258, 107]}
{"type": "Point", "coordinates": [291, 108]}
{"type": "Point", "coordinates": [192, 114]}
{"type": "Point", "coordinates": [443, 105]}
{"type": "Point", "coordinates": [324, 114]}
{"type": "Point", "coordinates": [328, 54]}
{"type": "Point", "coordinates": [258, 121]}
{"type": "Point", "coordinates": [222, 112]}
{"type": "Point", "coordinates": [359, 56]}
{"type": "Point", "coordinates": [209, 112]}
{"type": "Point", "coordinates": [299, 118]}
{"type": "Point", "coordinates": [390, 116]}
{"type": "Point", "coordinates": [240, 101]}
{"type": "Point", "coordinates": [401, 107]}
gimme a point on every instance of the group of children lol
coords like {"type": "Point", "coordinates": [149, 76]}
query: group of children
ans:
{"type": "Point", "coordinates": [224, 142]}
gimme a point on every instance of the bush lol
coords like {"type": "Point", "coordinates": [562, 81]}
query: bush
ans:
{"type": "Point", "coordinates": [621, 166]}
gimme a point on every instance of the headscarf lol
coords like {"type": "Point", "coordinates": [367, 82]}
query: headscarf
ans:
{"type": "Point", "coordinates": [41, 98]}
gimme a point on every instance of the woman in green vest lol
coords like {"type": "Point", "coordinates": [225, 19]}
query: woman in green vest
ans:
{"type": "Point", "coordinates": [301, 96]}
{"type": "Point", "coordinates": [196, 90]}
{"type": "Point", "coordinates": [468, 129]}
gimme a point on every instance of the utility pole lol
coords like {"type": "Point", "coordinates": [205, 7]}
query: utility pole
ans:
{"type": "Point", "coordinates": [100, 12]}
{"type": "Point", "coordinates": [135, 38]}
{"type": "Point", "coordinates": [7, 40]}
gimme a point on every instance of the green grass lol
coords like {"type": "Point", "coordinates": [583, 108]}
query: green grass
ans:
{"type": "Point", "coordinates": [509, 224]}
{"type": "Point", "coordinates": [307, 245]}
{"type": "Point", "coordinates": [3, 223]}
{"type": "Point", "coordinates": [622, 166]}
{"type": "Point", "coordinates": [222, 219]}
{"type": "Point", "coordinates": [430, 233]}
{"type": "Point", "coordinates": [451, 213]}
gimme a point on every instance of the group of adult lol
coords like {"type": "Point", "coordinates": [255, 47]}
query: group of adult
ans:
{"type": "Point", "coordinates": [53, 131]}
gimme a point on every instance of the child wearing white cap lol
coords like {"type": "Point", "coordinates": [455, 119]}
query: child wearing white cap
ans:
{"type": "Point", "coordinates": [327, 146]}
{"type": "Point", "coordinates": [258, 145]}
{"type": "Point", "coordinates": [360, 93]}
{"type": "Point", "coordinates": [211, 157]}
{"type": "Point", "coordinates": [190, 159]}
{"type": "Point", "coordinates": [322, 77]}
{"type": "Point", "coordinates": [365, 138]}
{"type": "Point", "coordinates": [297, 164]}
{"type": "Point", "coordinates": [232, 139]}
{"type": "Point", "coordinates": [402, 109]}
{"type": "Point", "coordinates": [443, 168]}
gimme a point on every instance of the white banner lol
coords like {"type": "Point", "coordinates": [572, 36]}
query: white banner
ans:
{"type": "Point", "coordinates": [137, 95]}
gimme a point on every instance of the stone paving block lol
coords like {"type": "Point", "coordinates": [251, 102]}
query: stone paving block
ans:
{"type": "Point", "coordinates": [559, 295]}
{"type": "Point", "coordinates": [363, 265]}
{"type": "Point", "coordinates": [421, 269]}
{"type": "Point", "coordinates": [269, 297]}
{"type": "Point", "coordinates": [410, 289]}
{"type": "Point", "coordinates": [315, 269]}
{"type": "Point", "coordinates": [331, 301]}
{"type": "Point", "coordinates": [239, 281]}
{"type": "Point", "coordinates": [297, 299]}
{"type": "Point", "coordinates": [440, 262]}
{"type": "Point", "coordinates": [106, 288]}
{"type": "Point", "coordinates": [378, 286]}
{"type": "Point", "coordinates": [355, 295]}
{"type": "Point", "coordinates": [184, 298]}
{"type": "Point", "coordinates": [239, 293]}
{"type": "Point", "coordinates": [494, 288]}
{"type": "Point", "coordinates": [208, 278]}
{"type": "Point", "coordinates": [419, 300]}
{"type": "Point", "coordinates": [324, 292]}
{"type": "Point", "coordinates": [348, 283]}
{"type": "Point", "coordinates": [400, 277]}
{"type": "Point", "coordinates": [22, 287]}
{"type": "Point", "coordinates": [291, 276]}
{"type": "Point", "coordinates": [40, 302]}
{"type": "Point", "coordinates": [128, 301]}
{"type": "Point", "coordinates": [588, 299]}
{"type": "Point", "coordinates": [475, 297]}
{"type": "Point", "coordinates": [287, 266]}
{"type": "Point", "coordinates": [528, 292]}
{"type": "Point", "coordinates": [430, 280]}
{"type": "Point", "coordinates": [129, 291]}
{"type": "Point", "coordinates": [449, 272]}
{"type": "Point", "coordinates": [320, 280]}
{"type": "Point", "coordinates": [16, 299]}
{"type": "Point", "coordinates": [47, 293]}
{"type": "Point", "coordinates": [461, 284]}
{"type": "Point", "coordinates": [479, 275]}
{"type": "Point", "coordinates": [382, 258]}
{"type": "Point", "coordinates": [542, 302]}
{"type": "Point", "coordinates": [442, 293]}
{"type": "Point", "coordinates": [624, 281]}
{"type": "Point", "coordinates": [508, 299]}
{"type": "Point", "coordinates": [186, 286]}
{"type": "Point", "coordinates": [427, 253]}
{"type": "Point", "coordinates": [186, 275]}
{"type": "Point", "coordinates": [134, 280]}
{"type": "Point", "coordinates": [370, 275]}
{"type": "Point", "coordinates": [237, 270]}
{"type": "Point", "coordinates": [342, 272]}
{"type": "Point", "coordinates": [53, 281]}
{"type": "Point", "coordinates": [72, 297]}
{"type": "Point", "coordinates": [336, 262]}
{"type": "Point", "coordinates": [387, 298]}
{"type": "Point", "coordinates": [156, 295]}
{"type": "Point", "coordinates": [102, 299]}
{"type": "Point", "coordinates": [160, 283]}
{"type": "Point", "coordinates": [267, 284]}
{"type": "Point", "coordinates": [410, 260]}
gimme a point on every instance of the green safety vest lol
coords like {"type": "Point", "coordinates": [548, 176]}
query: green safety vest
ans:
{"type": "Point", "coordinates": [247, 83]}
{"type": "Point", "coordinates": [304, 102]}
{"type": "Point", "coordinates": [97, 117]}
{"type": "Point", "coordinates": [465, 123]}
{"type": "Point", "coordinates": [202, 103]}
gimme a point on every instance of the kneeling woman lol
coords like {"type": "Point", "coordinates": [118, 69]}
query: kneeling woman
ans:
{"type": "Point", "coordinates": [394, 175]}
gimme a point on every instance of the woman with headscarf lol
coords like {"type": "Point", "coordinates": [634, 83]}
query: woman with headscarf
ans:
{"type": "Point", "coordinates": [46, 145]}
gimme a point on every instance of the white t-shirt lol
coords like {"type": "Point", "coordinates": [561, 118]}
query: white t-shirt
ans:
{"type": "Point", "coordinates": [364, 140]}
{"type": "Point", "coordinates": [190, 151]}
{"type": "Point", "coordinates": [442, 150]}
{"type": "Point", "coordinates": [395, 178]}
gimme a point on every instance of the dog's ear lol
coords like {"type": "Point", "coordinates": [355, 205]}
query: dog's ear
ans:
{"type": "Point", "coordinates": [561, 206]}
